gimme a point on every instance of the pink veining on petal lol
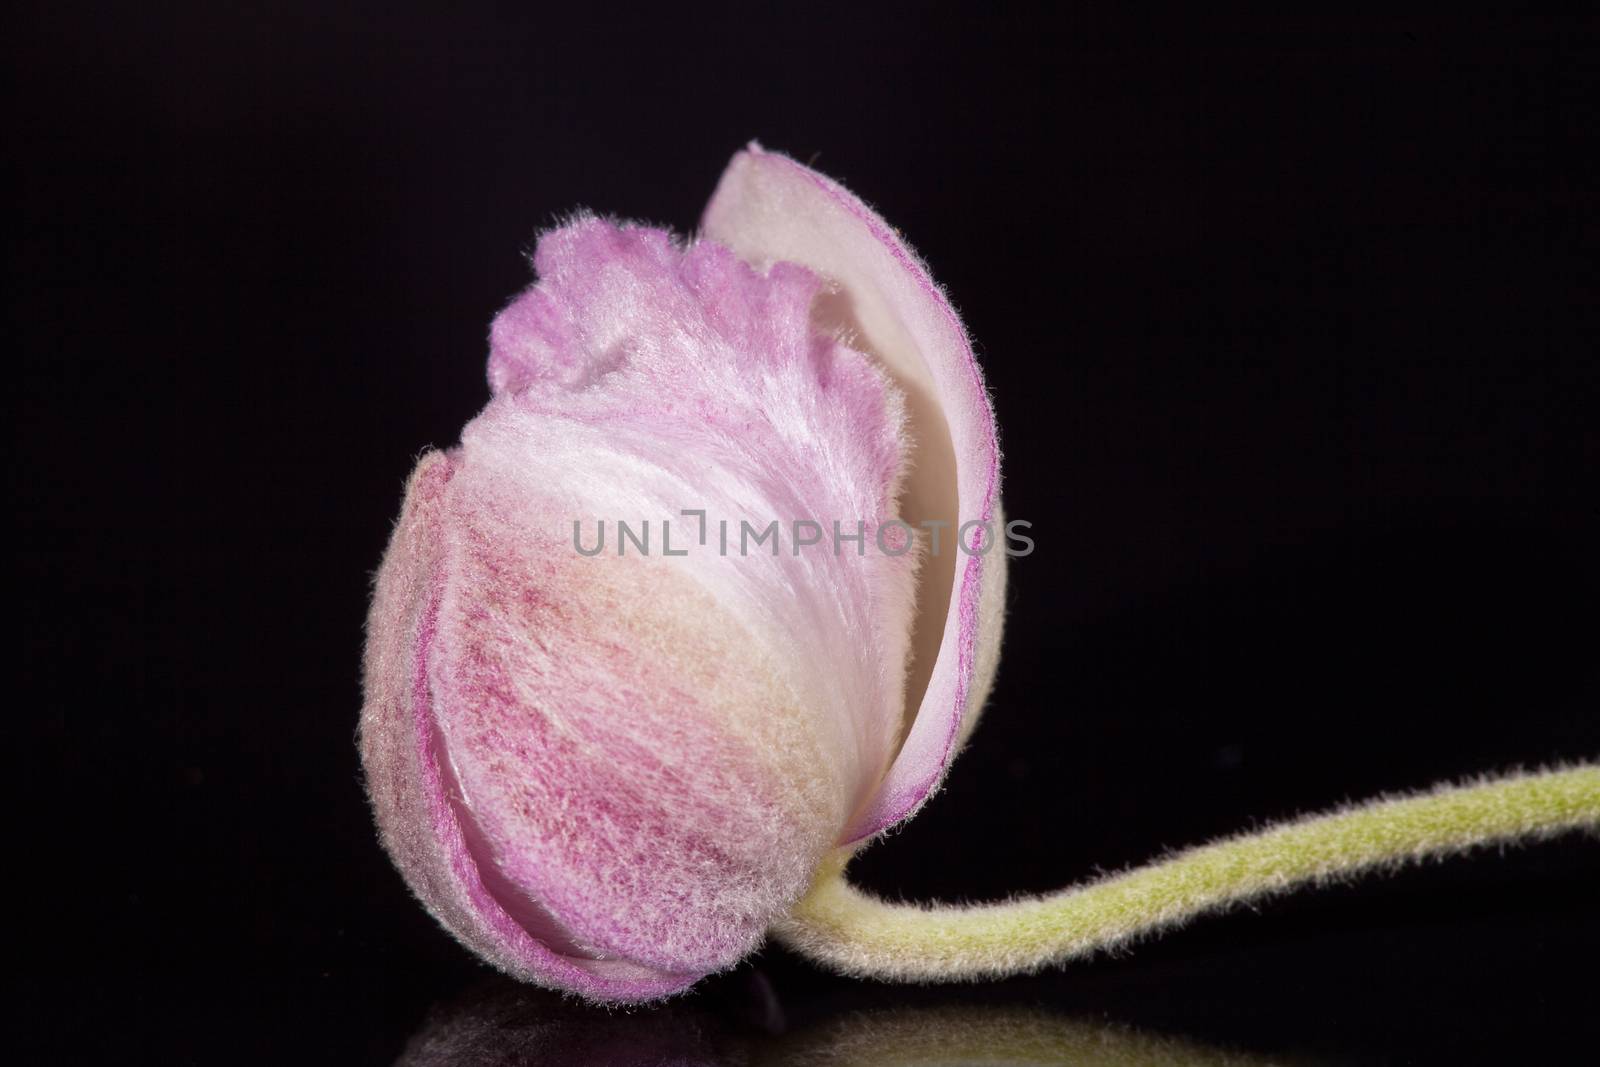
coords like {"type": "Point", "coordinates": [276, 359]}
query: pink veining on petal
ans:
{"type": "Point", "coordinates": [533, 956]}
{"type": "Point", "coordinates": [410, 787]}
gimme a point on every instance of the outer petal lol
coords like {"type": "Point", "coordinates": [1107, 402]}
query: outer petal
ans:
{"type": "Point", "coordinates": [411, 786]}
{"type": "Point", "coordinates": [610, 773]}
{"type": "Point", "coordinates": [768, 208]}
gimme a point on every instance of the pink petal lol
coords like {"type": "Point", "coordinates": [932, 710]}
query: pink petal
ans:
{"type": "Point", "coordinates": [414, 798]}
{"type": "Point", "coordinates": [611, 774]}
{"type": "Point", "coordinates": [768, 208]}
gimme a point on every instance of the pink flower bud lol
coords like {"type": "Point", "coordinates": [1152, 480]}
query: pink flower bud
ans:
{"type": "Point", "coordinates": [610, 772]}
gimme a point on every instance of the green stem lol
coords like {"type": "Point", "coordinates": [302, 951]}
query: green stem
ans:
{"type": "Point", "coordinates": [858, 934]}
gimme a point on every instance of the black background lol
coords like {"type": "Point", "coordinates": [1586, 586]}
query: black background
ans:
{"type": "Point", "coordinates": [1291, 329]}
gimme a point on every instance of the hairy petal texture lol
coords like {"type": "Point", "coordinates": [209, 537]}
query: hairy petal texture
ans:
{"type": "Point", "coordinates": [858, 934]}
{"type": "Point", "coordinates": [410, 784]}
{"type": "Point", "coordinates": [769, 209]}
{"type": "Point", "coordinates": [610, 774]}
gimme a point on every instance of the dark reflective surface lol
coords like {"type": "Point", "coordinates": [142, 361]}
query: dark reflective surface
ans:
{"type": "Point", "coordinates": [499, 1024]}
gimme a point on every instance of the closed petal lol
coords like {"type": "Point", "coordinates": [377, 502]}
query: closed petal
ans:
{"type": "Point", "coordinates": [415, 797]}
{"type": "Point", "coordinates": [610, 773]}
{"type": "Point", "coordinates": [768, 208]}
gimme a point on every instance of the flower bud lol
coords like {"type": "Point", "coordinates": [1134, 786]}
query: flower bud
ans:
{"type": "Point", "coordinates": [609, 770]}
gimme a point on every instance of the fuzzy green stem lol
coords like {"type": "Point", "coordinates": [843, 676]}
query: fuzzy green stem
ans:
{"type": "Point", "coordinates": [858, 934]}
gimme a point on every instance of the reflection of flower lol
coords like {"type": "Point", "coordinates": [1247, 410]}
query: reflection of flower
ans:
{"type": "Point", "coordinates": [498, 1025]}
{"type": "Point", "coordinates": [611, 775]}
{"type": "Point", "coordinates": [965, 1036]}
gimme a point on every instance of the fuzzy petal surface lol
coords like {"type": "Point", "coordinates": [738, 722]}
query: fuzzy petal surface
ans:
{"type": "Point", "coordinates": [610, 773]}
